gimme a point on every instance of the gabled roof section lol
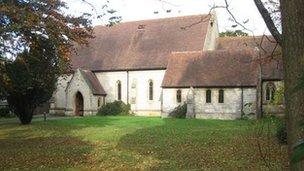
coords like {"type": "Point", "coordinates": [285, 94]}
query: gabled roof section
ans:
{"type": "Point", "coordinates": [270, 52]}
{"type": "Point", "coordinates": [219, 68]}
{"type": "Point", "coordinates": [141, 44]}
{"type": "Point", "coordinates": [93, 82]}
{"type": "Point", "coordinates": [266, 44]}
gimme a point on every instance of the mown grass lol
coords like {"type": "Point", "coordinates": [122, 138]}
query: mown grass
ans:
{"type": "Point", "coordinates": [125, 142]}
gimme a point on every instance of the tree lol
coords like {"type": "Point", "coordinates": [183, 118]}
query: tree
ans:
{"type": "Point", "coordinates": [292, 43]}
{"type": "Point", "coordinates": [293, 59]}
{"type": "Point", "coordinates": [236, 33]}
{"type": "Point", "coordinates": [31, 78]}
{"type": "Point", "coordinates": [288, 15]}
{"type": "Point", "coordinates": [38, 38]}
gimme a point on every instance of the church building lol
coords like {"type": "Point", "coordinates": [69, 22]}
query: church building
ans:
{"type": "Point", "coordinates": [157, 65]}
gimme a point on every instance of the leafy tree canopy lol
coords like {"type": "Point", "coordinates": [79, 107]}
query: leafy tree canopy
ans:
{"type": "Point", "coordinates": [230, 33]}
{"type": "Point", "coordinates": [36, 38]}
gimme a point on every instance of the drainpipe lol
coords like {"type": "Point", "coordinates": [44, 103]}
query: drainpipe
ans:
{"type": "Point", "coordinates": [127, 87]}
{"type": "Point", "coordinates": [161, 102]}
{"type": "Point", "coordinates": [259, 87]}
{"type": "Point", "coordinates": [242, 103]}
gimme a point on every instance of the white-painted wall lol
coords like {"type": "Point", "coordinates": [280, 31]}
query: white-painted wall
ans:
{"type": "Point", "coordinates": [170, 100]}
{"type": "Point", "coordinates": [139, 95]}
{"type": "Point", "coordinates": [109, 82]}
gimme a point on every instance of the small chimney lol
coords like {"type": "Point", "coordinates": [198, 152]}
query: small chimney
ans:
{"type": "Point", "coordinates": [141, 27]}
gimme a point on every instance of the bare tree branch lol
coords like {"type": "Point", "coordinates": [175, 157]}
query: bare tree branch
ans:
{"type": "Point", "coordinates": [268, 21]}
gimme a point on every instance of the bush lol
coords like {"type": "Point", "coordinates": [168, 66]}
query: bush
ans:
{"type": "Point", "coordinates": [179, 112]}
{"type": "Point", "coordinates": [114, 108]}
{"type": "Point", "coordinates": [247, 112]}
{"type": "Point", "coordinates": [282, 134]}
{"type": "Point", "coordinates": [5, 112]}
{"type": "Point", "coordinates": [247, 116]}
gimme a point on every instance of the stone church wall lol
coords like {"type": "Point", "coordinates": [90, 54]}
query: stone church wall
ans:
{"type": "Point", "coordinates": [249, 100]}
{"type": "Point", "coordinates": [139, 92]}
{"type": "Point", "coordinates": [58, 104]}
{"type": "Point", "coordinates": [134, 89]}
{"type": "Point", "coordinates": [170, 100]}
{"type": "Point", "coordinates": [109, 81]}
{"type": "Point", "coordinates": [268, 106]}
{"type": "Point", "coordinates": [212, 34]}
{"type": "Point", "coordinates": [230, 109]}
{"type": "Point", "coordinates": [78, 84]}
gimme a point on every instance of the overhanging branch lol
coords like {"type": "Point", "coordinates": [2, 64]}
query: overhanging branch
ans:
{"type": "Point", "coordinates": [268, 21]}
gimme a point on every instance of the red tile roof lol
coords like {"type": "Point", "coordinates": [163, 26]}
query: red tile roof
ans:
{"type": "Point", "coordinates": [265, 44]}
{"type": "Point", "coordinates": [93, 83]}
{"type": "Point", "coordinates": [219, 68]}
{"type": "Point", "coordinates": [270, 52]}
{"type": "Point", "coordinates": [125, 46]}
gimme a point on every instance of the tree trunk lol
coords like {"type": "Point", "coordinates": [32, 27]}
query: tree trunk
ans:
{"type": "Point", "coordinates": [25, 118]}
{"type": "Point", "coordinates": [293, 61]}
{"type": "Point", "coordinates": [21, 107]}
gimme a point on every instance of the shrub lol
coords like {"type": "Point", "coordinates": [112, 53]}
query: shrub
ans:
{"type": "Point", "coordinates": [248, 116]}
{"type": "Point", "coordinates": [5, 112]}
{"type": "Point", "coordinates": [282, 134]}
{"type": "Point", "coordinates": [179, 112]}
{"type": "Point", "coordinates": [115, 108]}
{"type": "Point", "coordinates": [247, 112]}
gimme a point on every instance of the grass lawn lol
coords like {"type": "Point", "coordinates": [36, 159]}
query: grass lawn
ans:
{"type": "Point", "coordinates": [124, 142]}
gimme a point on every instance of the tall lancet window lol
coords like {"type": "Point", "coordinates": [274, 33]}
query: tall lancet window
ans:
{"type": "Point", "coordinates": [270, 91]}
{"type": "Point", "coordinates": [221, 96]}
{"type": "Point", "coordinates": [179, 96]}
{"type": "Point", "coordinates": [208, 96]}
{"type": "Point", "coordinates": [118, 90]}
{"type": "Point", "coordinates": [150, 90]}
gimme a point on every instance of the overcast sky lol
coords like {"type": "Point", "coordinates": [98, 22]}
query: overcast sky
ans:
{"type": "Point", "coordinates": [131, 10]}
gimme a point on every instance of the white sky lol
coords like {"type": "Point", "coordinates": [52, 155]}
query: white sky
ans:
{"type": "Point", "coordinates": [131, 10]}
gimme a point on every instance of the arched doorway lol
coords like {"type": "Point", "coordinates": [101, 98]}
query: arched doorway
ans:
{"type": "Point", "coordinates": [79, 104]}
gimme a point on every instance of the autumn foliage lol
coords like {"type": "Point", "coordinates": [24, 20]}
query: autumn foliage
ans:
{"type": "Point", "coordinates": [36, 39]}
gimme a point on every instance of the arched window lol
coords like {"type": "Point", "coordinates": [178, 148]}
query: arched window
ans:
{"type": "Point", "coordinates": [208, 96]}
{"type": "Point", "coordinates": [221, 96]}
{"type": "Point", "coordinates": [179, 96]}
{"type": "Point", "coordinates": [98, 102]}
{"type": "Point", "coordinates": [270, 91]}
{"type": "Point", "coordinates": [150, 90]}
{"type": "Point", "coordinates": [103, 100]}
{"type": "Point", "coordinates": [118, 90]}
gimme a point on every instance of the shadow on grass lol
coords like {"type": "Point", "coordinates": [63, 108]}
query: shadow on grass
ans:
{"type": "Point", "coordinates": [51, 144]}
{"type": "Point", "coordinates": [40, 152]}
{"type": "Point", "coordinates": [199, 144]}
